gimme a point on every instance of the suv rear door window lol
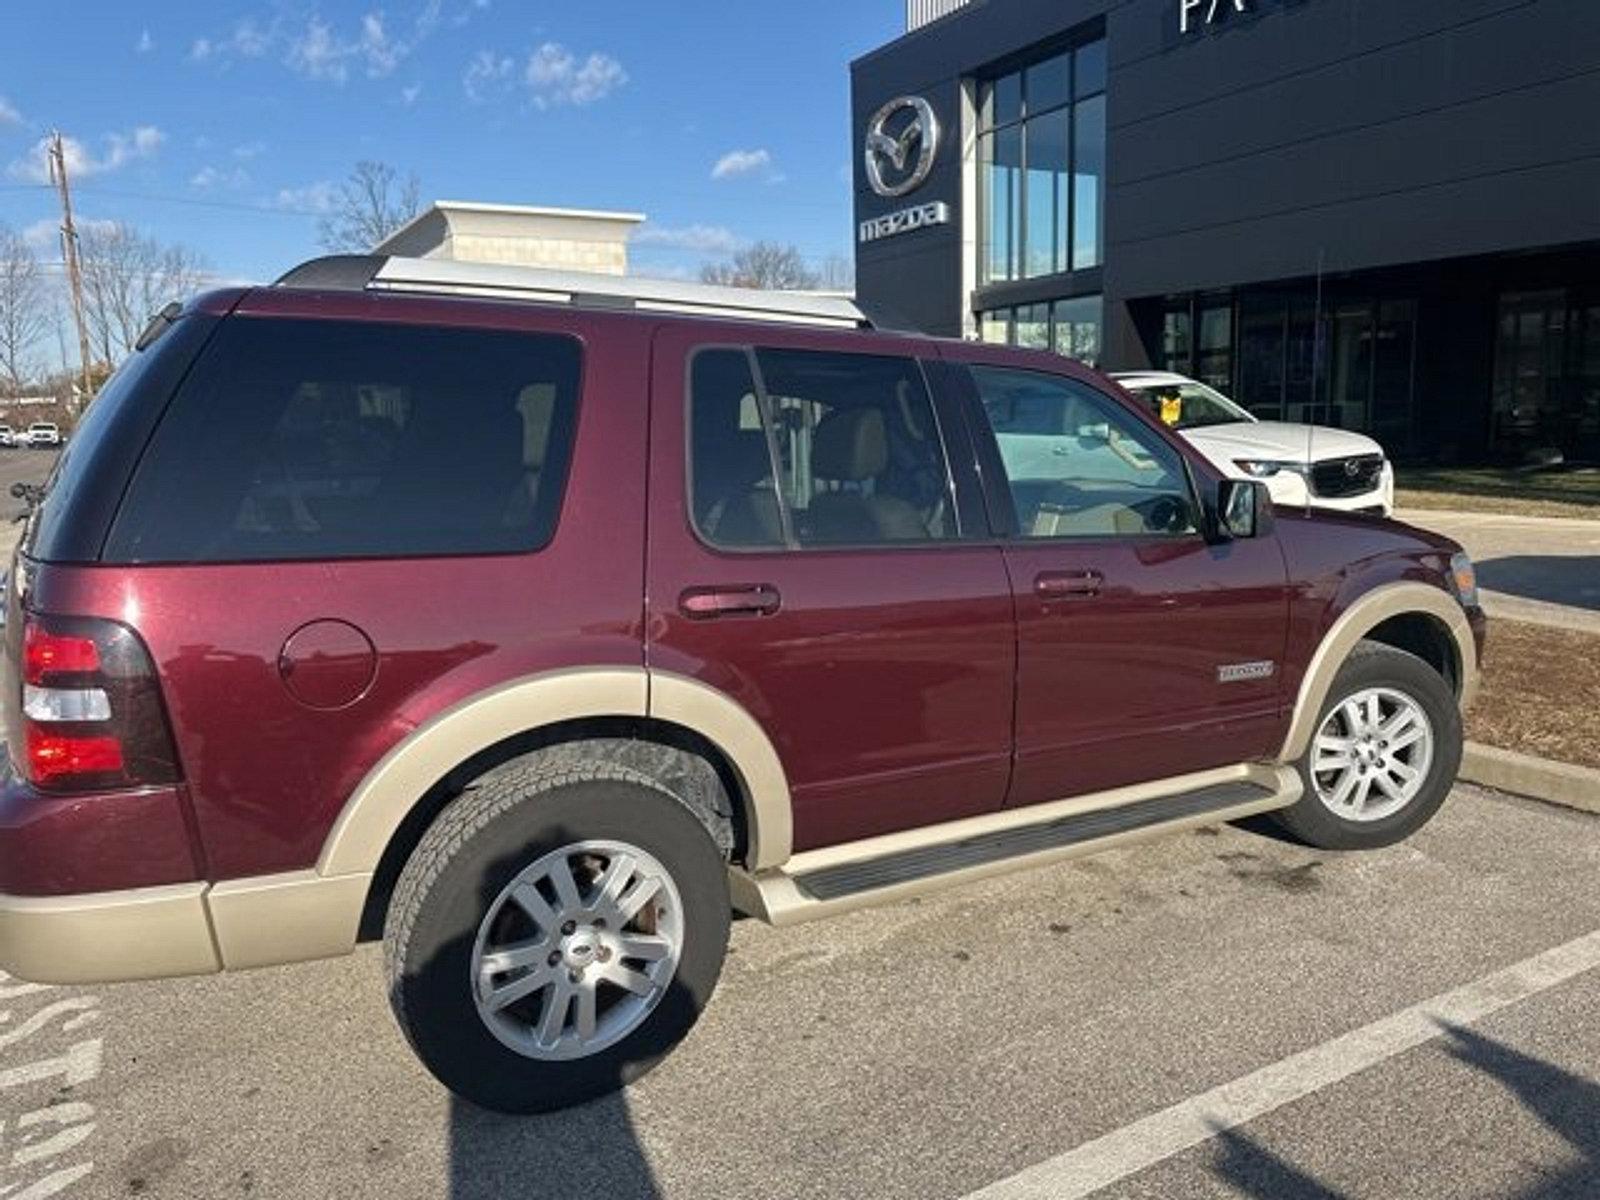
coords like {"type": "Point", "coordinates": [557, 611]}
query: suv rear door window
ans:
{"type": "Point", "coordinates": [305, 439]}
{"type": "Point", "coordinates": [813, 448]}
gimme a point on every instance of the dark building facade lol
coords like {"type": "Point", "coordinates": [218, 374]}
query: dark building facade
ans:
{"type": "Point", "coordinates": [1378, 214]}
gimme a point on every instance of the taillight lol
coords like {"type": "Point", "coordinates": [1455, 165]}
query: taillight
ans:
{"type": "Point", "coordinates": [90, 714]}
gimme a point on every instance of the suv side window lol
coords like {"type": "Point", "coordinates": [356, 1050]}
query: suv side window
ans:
{"type": "Point", "coordinates": [1079, 465]}
{"type": "Point", "coordinates": [305, 439]}
{"type": "Point", "coordinates": [810, 448]}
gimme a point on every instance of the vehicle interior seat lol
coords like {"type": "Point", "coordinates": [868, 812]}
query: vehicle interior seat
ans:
{"type": "Point", "coordinates": [851, 448]}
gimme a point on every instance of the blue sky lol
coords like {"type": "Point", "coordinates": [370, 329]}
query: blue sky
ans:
{"type": "Point", "coordinates": [224, 125]}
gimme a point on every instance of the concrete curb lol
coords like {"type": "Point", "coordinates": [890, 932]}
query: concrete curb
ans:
{"type": "Point", "coordinates": [1524, 775]}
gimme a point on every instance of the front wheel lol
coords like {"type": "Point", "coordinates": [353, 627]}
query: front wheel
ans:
{"type": "Point", "coordinates": [1384, 755]}
{"type": "Point", "coordinates": [555, 934]}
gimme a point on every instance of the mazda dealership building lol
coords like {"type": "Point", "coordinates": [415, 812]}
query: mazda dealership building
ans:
{"type": "Point", "coordinates": [1378, 214]}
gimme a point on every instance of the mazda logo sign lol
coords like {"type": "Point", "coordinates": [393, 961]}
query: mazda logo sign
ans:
{"type": "Point", "coordinates": [902, 140]}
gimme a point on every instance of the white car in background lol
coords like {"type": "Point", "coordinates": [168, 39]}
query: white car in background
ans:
{"type": "Point", "coordinates": [43, 433]}
{"type": "Point", "coordinates": [1303, 466]}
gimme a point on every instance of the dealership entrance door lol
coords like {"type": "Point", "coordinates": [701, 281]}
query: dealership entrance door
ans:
{"type": "Point", "coordinates": [1371, 370]}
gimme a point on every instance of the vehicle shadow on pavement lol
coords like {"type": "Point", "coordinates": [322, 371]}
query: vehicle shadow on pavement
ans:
{"type": "Point", "coordinates": [1571, 580]}
{"type": "Point", "coordinates": [1567, 1104]}
{"type": "Point", "coordinates": [580, 1153]}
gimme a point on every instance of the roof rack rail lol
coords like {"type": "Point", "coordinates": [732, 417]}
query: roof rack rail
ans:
{"type": "Point", "coordinates": [382, 273]}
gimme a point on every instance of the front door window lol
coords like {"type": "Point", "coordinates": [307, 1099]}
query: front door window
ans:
{"type": "Point", "coordinates": [1078, 464]}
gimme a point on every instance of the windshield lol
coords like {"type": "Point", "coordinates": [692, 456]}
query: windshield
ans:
{"type": "Point", "coordinates": [1189, 405]}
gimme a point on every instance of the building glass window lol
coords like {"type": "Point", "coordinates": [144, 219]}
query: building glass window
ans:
{"type": "Point", "coordinates": [1177, 340]}
{"type": "Point", "coordinates": [1089, 69]}
{"type": "Point", "coordinates": [1047, 224]}
{"type": "Point", "coordinates": [1033, 326]}
{"type": "Point", "coordinates": [1214, 365]}
{"type": "Point", "coordinates": [1070, 327]}
{"type": "Point", "coordinates": [1088, 182]}
{"type": "Point", "coordinates": [1262, 323]}
{"type": "Point", "coordinates": [1002, 169]}
{"type": "Point", "coordinates": [1042, 160]}
{"type": "Point", "coordinates": [1076, 328]}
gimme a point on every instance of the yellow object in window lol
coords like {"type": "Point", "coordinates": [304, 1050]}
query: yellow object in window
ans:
{"type": "Point", "coordinates": [1171, 409]}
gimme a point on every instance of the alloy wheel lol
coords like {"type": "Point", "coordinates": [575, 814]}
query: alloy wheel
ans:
{"type": "Point", "coordinates": [577, 950]}
{"type": "Point", "coordinates": [1372, 755]}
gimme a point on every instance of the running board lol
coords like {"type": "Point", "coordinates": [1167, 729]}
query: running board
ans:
{"type": "Point", "coordinates": [880, 870]}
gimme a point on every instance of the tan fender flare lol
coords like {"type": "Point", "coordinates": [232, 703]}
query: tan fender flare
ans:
{"type": "Point", "coordinates": [386, 796]}
{"type": "Point", "coordinates": [1364, 615]}
{"type": "Point", "coordinates": [769, 816]}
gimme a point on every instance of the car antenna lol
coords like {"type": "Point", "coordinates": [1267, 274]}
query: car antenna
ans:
{"type": "Point", "coordinates": [1316, 375]}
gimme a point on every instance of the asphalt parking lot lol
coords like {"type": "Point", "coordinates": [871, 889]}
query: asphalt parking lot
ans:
{"type": "Point", "coordinates": [1126, 1026]}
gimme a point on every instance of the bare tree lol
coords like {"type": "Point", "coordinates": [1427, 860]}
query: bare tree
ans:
{"type": "Point", "coordinates": [24, 308]}
{"type": "Point", "coordinates": [765, 265]}
{"type": "Point", "coordinates": [371, 204]}
{"type": "Point", "coordinates": [838, 274]}
{"type": "Point", "coordinates": [127, 277]}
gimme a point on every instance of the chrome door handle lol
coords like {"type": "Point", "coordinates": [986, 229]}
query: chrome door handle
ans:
{"type": "Point", "coordinates": [1068, 585]}
{"type": "Point", "coordinates": [752, 600]}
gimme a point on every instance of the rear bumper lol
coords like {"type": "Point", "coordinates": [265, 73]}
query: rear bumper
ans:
{"type": "Point", "coordinates": [181, 929]}
{"type": "Point", "coordinates": [142, 933]}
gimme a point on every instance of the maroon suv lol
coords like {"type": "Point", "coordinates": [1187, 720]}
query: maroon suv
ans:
{"type": "Point", "coordinates": [536, 625]}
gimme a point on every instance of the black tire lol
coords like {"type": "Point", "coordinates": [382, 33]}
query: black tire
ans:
{"type": "Point", "coordinates": [472, 852]}
{"type": "Point", "coordinates": [1372, 664]}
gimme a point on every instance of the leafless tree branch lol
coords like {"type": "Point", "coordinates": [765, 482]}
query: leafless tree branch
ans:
{"type": "Point", "coordinates": [373, 203]}
{"type": "Point", "coordinates": [765, 265]}
{"type": "Point", "coordinates": [127, 277]}
{"type": "Point", "coordinates": [24, 306]}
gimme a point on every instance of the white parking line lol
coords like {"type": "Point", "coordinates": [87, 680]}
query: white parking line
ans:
{"type": "Point", "coordinates": [1153, 1139]}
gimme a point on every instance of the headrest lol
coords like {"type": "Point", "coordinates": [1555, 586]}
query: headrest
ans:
{"type": "Point", "coordinates": [850, 444]}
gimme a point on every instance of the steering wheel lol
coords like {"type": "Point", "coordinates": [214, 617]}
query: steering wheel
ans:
{"type": "Point", "coordinates": [1166, 514]}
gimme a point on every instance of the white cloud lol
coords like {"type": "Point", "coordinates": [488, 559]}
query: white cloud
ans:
{"type": "Point", "coordinates": [318, 54]}
{"type": "Point", "coordinates": [706, 239]}
{"type": "Point", "coordinates": [381, 52]}
{"type": "Point", "coordinates": [409, 94]}
{"type": "Point", "coordinates": [315, 197]}
{"type": "Point", "coordinates": [8, 113]}
{"type": "Point", "coordinates": [741, 162]}
{"type": "Point", "coordinates": [45, 236]}
{"type": "Point", "coordinates": [202, 49]}
{"type": "Point", "coordinates": [486, 74]}
{"type": "Point", "coordinates": [145, 44]}
{"type": "Point", "coordinates": [209, 177]}
{"type": "Point", "coordinates": [121, 148]}
{"type": "Point", "coordinates": [245, 151]}
{"type": "Point", "coordinates": [250, 39]}
{"type": "Point", "coordinates": [556, 77]}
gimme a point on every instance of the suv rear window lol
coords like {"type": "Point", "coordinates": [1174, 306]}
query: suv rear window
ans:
{"type": "Point", "coordinates": [303, 439]}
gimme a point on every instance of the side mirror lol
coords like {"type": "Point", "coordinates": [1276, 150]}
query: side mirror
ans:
{"type": "Point", "coordinates": [1244, 509]}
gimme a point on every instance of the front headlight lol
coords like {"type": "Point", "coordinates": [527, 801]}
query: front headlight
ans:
{"type": "Point", "coordinates": [1266, 468]}
{"type": "Point", "coordinates": [1464, 579]}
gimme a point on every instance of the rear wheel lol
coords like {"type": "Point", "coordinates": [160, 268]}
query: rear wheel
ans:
{"type": "Point", "coordinates": [555, 934]}
{"type": "Point", "coordinates": [1384, 754]}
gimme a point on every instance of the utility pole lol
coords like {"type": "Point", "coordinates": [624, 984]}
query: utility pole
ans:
{"type": "Point", "coordinates": [69, 254]}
